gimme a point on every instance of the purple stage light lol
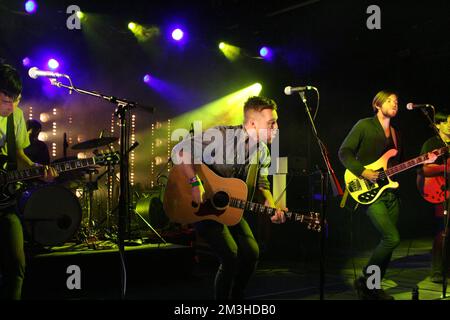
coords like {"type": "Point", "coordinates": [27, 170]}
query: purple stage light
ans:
{"type": "Point", "coordinates": [177, 34]}
{"type": "Point", "coordinates": [147, 78]}
{"type": "Point", "coordinates": [266, 53]}
{"type": "Point", "coordinates": [53, 64]}
{"type": "Point", "coordinates": [26, 61]}
{"type": "Point", "coordinates": [30, 6]}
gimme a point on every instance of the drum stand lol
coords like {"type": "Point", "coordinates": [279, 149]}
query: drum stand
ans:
{"type": "Point", "coordinates": [89, 190]}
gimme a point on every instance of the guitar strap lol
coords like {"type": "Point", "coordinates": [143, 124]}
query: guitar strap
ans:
{"type": "Point", "coordinates": [394, 137]}
{"type": "Point", "coordinates": [11, 143]}
{"type": "Point", "coordinates": [252, 177]}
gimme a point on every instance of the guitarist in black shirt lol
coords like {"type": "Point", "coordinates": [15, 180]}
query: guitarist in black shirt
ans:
{"type": "Point", "coordinates": [367, 141]}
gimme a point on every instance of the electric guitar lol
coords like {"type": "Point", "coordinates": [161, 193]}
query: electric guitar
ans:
{"type": "Point", "coordinates": [366, 192]}
{"type": "Point", "coordinates": [225, 200]}
{"type": "Point", "coordinates": [11, 181]}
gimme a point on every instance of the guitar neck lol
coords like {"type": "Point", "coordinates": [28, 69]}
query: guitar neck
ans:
{"type": "Point", "coordinates": [262, 209]}
{"type": "Point", "coordinates": [38, 172]}
{"type": "Point", "coordinates": [412, 163]}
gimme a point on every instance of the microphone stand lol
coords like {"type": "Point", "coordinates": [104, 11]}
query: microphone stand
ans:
{"type": "Point", "coordinates": [65, 145]}
{"type": "Point", "coordinates": [123, 106]}
{"type": "Point", "coordinates": [446, 206]}
{"type": "Point", "coordinates": [330, 177]}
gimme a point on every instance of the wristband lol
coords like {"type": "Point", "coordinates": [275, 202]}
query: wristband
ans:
{"type": "Point", "coordinates": [195, 183]}
{"type": "Point", "coordinates": [193, 179]}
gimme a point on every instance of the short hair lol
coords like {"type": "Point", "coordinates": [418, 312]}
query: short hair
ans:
{"type": "Point", "coordinates": [34, 125]}
{"type": "Point", "coordinates": [381, 98]}
{"type": "Point", "coordinates": [10, 82]}
{"type": "Point", "coordinates": [258, 104]}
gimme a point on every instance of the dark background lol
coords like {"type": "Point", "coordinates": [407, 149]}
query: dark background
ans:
{"type": "Point", "coordinates": [321, 43]}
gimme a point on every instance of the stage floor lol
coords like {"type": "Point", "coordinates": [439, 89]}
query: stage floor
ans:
{"type": "Point", "coordinates": [179, 272]}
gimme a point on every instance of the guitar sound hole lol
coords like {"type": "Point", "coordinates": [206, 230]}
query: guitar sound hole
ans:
{"type": "Point", "coordinates": [220, 200]}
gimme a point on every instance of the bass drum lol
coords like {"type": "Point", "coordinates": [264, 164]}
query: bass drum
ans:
{"type": "Point", "coordinates": [51, 214]}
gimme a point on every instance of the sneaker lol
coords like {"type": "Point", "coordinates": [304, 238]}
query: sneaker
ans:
{"type": "Point", "coordinates": [362, 291]}
{"type": "Point", "coordinates": [380, 294]}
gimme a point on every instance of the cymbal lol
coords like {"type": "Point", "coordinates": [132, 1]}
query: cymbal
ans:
{"type": "Point", "coordinates": [94, 143]}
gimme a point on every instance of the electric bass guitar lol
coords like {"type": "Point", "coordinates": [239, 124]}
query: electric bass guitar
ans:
{"type": "Point", "coordinates": [225, 200]}
{"type": "Point", "coordinates": [11, 181]}
{"type": "Point", "coordinates": [366, 192]}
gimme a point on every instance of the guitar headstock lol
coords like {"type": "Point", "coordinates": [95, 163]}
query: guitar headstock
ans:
{"type": "Point", "coordinates": [314, 221]}
{"type": "Point", "coordinates": [112, 158]}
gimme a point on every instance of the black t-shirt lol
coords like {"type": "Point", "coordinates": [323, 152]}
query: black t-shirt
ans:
{"type": "Point", "coordinates": [432, 144]}
{"type": "Point", "coordinates": [38, 152]}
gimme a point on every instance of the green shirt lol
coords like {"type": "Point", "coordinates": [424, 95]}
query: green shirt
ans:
{"type": "Point", "coordinates": [366, 143]}
{"type": "Point", "coordinates": [20, 128]}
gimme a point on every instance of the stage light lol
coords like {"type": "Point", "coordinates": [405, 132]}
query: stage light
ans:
{"type": "Point", "coordinates": [30, 6]}
{"type": "Point", "coordinates": [53, 64]}
{"type": "Point", "coordinates": [43, 136]}
{"type": "Point", "coordinates": [177, 34]}
{"type": "Point", "coordinates": [229, 51]}
{"type": "Point", "coordinates": [226, 109]}
{"type": "Point", "coordinates": [255, 88]}
{"type": "Point", "coordinates": [26, 61]}
{"type": "Point", "coordinates": [159, 160]}
{"type": "Point", "coordinates": [158, 143]}
{"type": "Point", "coordinates": [266, 53]}
{"type": "Point", "coordinates": [44, 117]}
{"type": "Point", "coordinates": [147, 78]}
{"type": "Point", "coordinates": [132, 26]}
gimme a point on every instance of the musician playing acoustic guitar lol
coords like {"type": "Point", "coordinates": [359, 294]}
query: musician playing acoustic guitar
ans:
{"type": "Point", "coordinates": [235, 246]}
{"type": "Point", "coordinates": [367, 141]}
{"type": "Point", "coordinates": [431, 184]}
{"type": "Point", "coordinates": [12, 256]}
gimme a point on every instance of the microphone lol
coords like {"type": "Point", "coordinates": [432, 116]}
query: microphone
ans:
{"type": "Point", "coordinates": [35, 73]}
{"type": "Point", "coordinates": [290, 90]}
{"type": "Point", "coordinates": [411, 106]}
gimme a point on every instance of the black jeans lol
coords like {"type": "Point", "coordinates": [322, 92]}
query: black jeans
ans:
{"type": "Point", "coordinates": [12, 256]}
{"type": "Point", "coordinates": [384, 216]}
{"type": "Point", "coordinates": [436, 252]}
{"type": "Point", "coordinates": [238, 253]}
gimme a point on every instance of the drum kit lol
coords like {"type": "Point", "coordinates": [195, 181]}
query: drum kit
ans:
{"type": "Point", "coordinates": [79, 206]}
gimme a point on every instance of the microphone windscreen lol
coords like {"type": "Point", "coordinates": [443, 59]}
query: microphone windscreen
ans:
{"type": "Point", "coordinates": [287, 90]}
{"type": "Point", "coordinates": [32, 73]}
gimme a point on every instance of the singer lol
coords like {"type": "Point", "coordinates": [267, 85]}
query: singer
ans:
{"type": "Point", "coordinates": [235, 246]}
{"type": "Point", "coordinates": [13, 140]}
{"type": "Point", "coordinates": [367, 141]}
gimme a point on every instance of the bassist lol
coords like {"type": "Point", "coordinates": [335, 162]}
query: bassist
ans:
{"type": "Point", "coordinates": [369, 139]}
